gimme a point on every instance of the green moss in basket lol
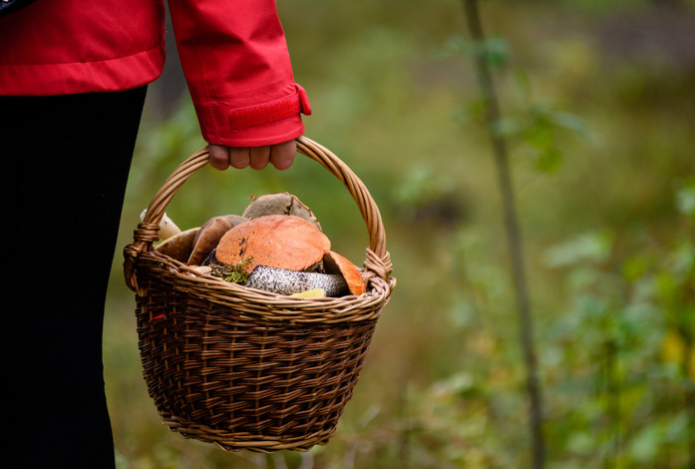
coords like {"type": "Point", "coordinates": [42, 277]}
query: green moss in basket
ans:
{"type": "Point", "coordinates": [235, 273]}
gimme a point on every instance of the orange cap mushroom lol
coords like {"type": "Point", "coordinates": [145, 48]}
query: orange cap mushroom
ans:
{"type": "Point", "coordinates": [281, 241]}
{"type": "Point", "coordinates": [334, 263]}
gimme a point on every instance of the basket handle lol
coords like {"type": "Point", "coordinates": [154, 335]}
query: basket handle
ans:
{"type": "Point", "coordinates": [377, 263]}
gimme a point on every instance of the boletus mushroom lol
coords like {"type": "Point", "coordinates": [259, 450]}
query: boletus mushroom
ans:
{"type": "Point", "coordinates": [179, 246]}
{"type": "Point", "coordinates": [167, 228]}
{"type": "Point", "coordinates": [281, 203]}
{"type": "Point", "coordinates": [290, 282]}
{"type": "Point", "coordinates": [336, 264]}
{"type": "Point", "coordinates": [209, 236]}
{"type": "Point", "coordinates": [281, 241]}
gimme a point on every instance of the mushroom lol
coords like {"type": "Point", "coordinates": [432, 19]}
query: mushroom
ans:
{"type": "Point", "coordinates": [315, 293]}
{"type": "Point", "coordinates": [281, 203]}
{"type": "Point", "coordinates": [167, 228]}
{"type": "Point", "coordinates": [210, 234]}
{"type": "Point", "coordinates": [179, 246]}
{"type": "Point", "coordinates": [281, 241]}
{"type": "Point", "coordinates": [334, 263]}
{"type": "Point", "coordinates": [202, 269]}
{"type": "Point", "coordinates": [289, 282]}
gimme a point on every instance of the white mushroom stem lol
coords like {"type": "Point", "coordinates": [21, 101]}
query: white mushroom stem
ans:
{"type": "Point", "coordinates": [167, 228]}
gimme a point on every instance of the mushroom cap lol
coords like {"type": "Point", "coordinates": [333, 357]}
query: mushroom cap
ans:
{"type": "Point", "coordinates": [334, 263]}
{"type": "Point", "coordinates": [281, 241]}
{"type": "Point", "coordinates": [167, 228]}
{"type": "Point", "coordinates": [210, 234]}
{"type": "Point", "coordinates": [280, 203]}
{"type": "Point", "coordinates": [179, 247]}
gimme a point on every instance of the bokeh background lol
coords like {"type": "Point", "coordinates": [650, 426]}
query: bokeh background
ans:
{"type": "Point", "coordinates": [598, 105]}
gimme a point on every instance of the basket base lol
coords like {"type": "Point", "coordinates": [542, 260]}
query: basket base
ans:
{"type": "Point", "coordinates": [245, 441]}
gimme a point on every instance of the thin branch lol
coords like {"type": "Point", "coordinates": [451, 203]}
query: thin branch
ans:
{"type": "Point", "coordinates": [513, 232]}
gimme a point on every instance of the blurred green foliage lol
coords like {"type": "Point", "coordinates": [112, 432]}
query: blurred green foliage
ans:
{"type": "Point", "coordinates": [601, 134]}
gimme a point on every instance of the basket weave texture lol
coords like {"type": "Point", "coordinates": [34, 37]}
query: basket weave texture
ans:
{"type": "Point", "coordinates": [243, 368]}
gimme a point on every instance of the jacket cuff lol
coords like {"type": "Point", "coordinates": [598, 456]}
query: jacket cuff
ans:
{"type": "Point", "coordinates": [267, 123]}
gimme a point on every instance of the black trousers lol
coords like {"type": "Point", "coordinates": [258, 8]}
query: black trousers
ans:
{"type": "Point", "coordinates": [66, 161]}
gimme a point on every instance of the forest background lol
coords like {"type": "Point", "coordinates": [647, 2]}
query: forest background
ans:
{"type": "Point", "coordinates": [598, 111]}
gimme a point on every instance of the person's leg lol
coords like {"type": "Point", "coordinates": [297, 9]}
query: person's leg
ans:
{"type": "Point", "coordinates": [66, 162]}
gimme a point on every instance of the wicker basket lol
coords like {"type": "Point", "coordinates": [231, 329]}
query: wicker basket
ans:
{"type": "Point", "coordinates": [244, 368]}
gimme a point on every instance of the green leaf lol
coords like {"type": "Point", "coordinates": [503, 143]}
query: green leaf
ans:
{"type": "Point", "coordinates": [595, 247]}
{"type": "Point", "coordinates": [645, 445]}
{"type": "Point", "coordinates": [685, 200]}
{"type": "Point", "coordinates": [508, 126]}
{"type": "Point", "coordinates": [581, 443]}
{"type": "Point", "coordinates": [635, 267]}
{"type": "Point", "coordinates": [497, 52]}
{"type": "Point", "coordinates": [569, 121]}
{"type": "Point", "coordinates": [549, 160]}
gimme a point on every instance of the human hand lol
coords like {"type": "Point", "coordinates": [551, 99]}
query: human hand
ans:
{"type": "Point", "coordinates": [281, 156]}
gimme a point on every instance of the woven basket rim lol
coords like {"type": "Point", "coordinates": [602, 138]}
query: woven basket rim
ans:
{"type": "Point", "coordinates": [377, 266]}
{"type": "Point", "coordinates": [268, 305]}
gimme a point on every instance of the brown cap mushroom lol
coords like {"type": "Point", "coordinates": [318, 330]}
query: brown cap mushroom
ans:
{"type": "Point", "coordinates": [281, 203]}
{"type": "Point", "coordinates": [282, 241]}
{"type": "Point", "coordinates": [210, 234]}
{"type": "Point", "coordinates": [179, 247]}
{"type": "Point", "coordinates": [334, 263]}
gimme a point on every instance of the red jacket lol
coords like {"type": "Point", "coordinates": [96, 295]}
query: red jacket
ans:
{"type": "Point", "coordinates": [233, 54]}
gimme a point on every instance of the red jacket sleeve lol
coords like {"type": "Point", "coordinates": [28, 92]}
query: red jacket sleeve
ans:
{"type": "Point", "coordinates": [235, 59]}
